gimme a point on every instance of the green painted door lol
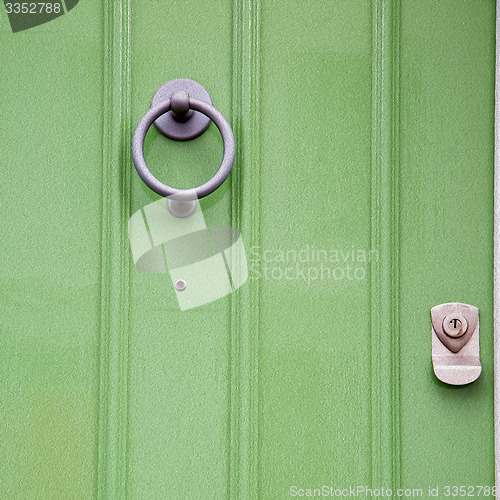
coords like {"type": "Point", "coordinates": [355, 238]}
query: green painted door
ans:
{"type": "Point", "coordinates": [363, 190]}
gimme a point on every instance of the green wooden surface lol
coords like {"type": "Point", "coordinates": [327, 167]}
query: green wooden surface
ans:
{"type": "Point", "coordinates": [362, 127]}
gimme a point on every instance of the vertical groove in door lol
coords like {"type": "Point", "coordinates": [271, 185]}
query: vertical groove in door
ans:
{"type": "Point", "coordinates": [244, 441]}
{"type": "Point", "coordinates": [496, 232]}
{"type": "Point", "coordinates": [385, 387]}
{"type": "Point", "coordinates": [395, 261]}
{"type": "Point", "coordinates": [234, 476]}
{"type": "Point", "coordinates": [113, 346]}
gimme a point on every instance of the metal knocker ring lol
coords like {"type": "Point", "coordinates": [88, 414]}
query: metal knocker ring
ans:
{"type": "Point", "coordinates": [181, 104]}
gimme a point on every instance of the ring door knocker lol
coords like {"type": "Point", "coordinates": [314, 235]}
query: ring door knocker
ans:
{"type": "Point", "coordinates": [182, 110]}
{"type": "Point", "coordinates": [170, 235]}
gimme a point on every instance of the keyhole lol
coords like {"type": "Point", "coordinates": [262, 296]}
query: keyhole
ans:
{"type": "Point", "coordinates": [455, 325]}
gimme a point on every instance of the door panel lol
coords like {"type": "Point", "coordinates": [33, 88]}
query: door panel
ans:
{"type": "Point", "coordinates": [315, 183]}
{"type": "Point", "coordinates": [179, 363]}
{"type": "Point", "coordinates": [50, 190]}
{"type": "Point", "coordinates": [447, 112]}
{"type": "Point", "coordinates": [363, 190]}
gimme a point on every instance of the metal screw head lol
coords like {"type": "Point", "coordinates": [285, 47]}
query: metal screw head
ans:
{"type": "Point", "coordinates": [455, 325]}
{"type": "Point", "coordinates": [180, 285]}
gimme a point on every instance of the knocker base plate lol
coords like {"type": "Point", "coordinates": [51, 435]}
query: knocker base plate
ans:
{"type": "Point", "coordinates": [196, 124]}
